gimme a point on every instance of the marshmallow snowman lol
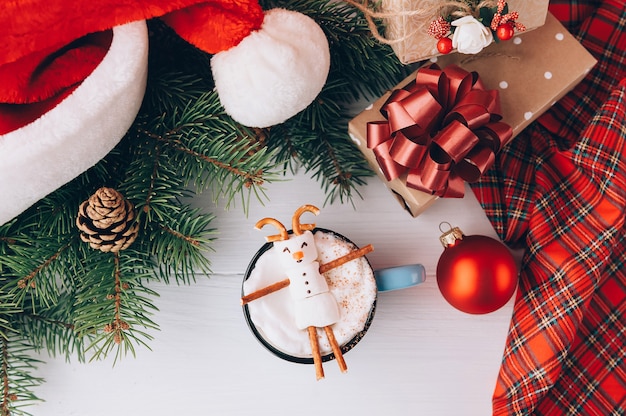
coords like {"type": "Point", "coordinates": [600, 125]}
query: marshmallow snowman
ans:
{"type": "Point", "coordinates": [314, 304]}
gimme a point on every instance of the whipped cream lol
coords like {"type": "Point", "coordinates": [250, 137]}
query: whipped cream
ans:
{"type": "Point", "coordinates": [352, 284]}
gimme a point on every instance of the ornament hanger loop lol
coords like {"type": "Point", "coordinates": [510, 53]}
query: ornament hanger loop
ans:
{"type": "Point", "coordinates": [445, 223]}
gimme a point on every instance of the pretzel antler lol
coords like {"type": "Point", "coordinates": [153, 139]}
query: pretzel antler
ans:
{"type": "Point", "coordinates": [284, 235]}
{"type": "Point", "coordinates": [295, 222]}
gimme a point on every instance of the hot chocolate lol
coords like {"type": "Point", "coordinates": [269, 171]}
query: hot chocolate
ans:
{"type": "Point", "coordinates": [306, 289]}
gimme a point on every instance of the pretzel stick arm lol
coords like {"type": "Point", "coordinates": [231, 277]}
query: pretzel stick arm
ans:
{"type": "Point", "coordinates": [264, 291]}
{"type": "Point", "coordinates": [348, 257]}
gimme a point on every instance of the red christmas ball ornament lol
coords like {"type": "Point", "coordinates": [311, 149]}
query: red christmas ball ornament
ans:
{"type": "Point", "coordinates": [444, 45]}
{"type": "Point", "coordinates": [505, 31]}
{"type": "Point", "coordinates": [476, 274]}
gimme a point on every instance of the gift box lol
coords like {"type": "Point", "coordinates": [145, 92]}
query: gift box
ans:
{"type": "Point", "coordinates": [412, 30]}
{"type": "Point", "coordinates": [529, 73]}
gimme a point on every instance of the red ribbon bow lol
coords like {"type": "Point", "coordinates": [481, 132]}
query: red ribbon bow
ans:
{"type": "Point", "coordinates": [441, 129]}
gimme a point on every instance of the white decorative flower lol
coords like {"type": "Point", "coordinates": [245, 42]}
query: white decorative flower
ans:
{"type": "Point", "coordinates": [470, 36]}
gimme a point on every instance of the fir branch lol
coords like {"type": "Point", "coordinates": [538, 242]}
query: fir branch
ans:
{"type": "Point", "coordinates": [150, 189]}
{"type": "Point", "coordinates": [333, 159]}
{"type": "Point", "coordinates": [8, 310]}
{"type": "Point", "coordinates": [7, 240]}
{"type": "Point", "coordinates": [29, 280]}
{"type": "Point", "coordinates": [187, 239]}
{"type": "Point", "coordinates": [152, 184]}
{"type": "Point", "coordinates": [212, 151]}
{"type": "Point", "coordinates": [32, 270]}
{"type": "Point", "coordinates": [249, 179]}
{"type": "Point", "coordinates": [18, 383]}
{"type": "Point", "coordinates": [180, 247]}
{"type": "Point", "coordinates": [318, 140]}
{"type": "Point", "coordinates": [7, 398]}
{"type": "Point", "coordinates": [56, 213]}
{"type": "Point", "coordinates": [53, 330]}
{"type": "Point", "coordinates": [113, 307]}
{"type": "Point", "coordinates": [118, 326]}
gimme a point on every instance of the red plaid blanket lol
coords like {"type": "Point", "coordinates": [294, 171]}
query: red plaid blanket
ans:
{"type": "Point", "coordinates": [559, 190]}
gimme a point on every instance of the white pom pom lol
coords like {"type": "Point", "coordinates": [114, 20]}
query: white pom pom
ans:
{"type": "Point", "coordinates": [275, 72]}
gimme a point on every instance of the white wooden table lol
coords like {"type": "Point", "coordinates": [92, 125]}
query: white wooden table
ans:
{"type": "Point", "coordinates": [419, 357]}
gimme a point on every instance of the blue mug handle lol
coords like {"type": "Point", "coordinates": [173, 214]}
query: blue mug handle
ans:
{"type": "Point", "coordinates": [399, 277]}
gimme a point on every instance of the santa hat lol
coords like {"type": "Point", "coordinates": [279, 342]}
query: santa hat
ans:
{"type": "Point", "coordinates": [73, 76]}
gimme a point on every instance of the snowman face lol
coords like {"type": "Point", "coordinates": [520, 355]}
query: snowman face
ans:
{"type": "Point", "coordinates": [298, 250]}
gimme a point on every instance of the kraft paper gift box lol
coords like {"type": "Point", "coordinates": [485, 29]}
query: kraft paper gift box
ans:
{"type": "Point", "coordinates": [530, 72]}
{"type": "Point", "coordinates": [417, 45]}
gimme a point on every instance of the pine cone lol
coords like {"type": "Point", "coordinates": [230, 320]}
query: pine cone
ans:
{"type": "Point", "coordinates": [107, 221]}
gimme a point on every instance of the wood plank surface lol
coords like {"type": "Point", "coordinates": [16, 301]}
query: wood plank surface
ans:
{"type": "Point", "coordinates": [419, 357]}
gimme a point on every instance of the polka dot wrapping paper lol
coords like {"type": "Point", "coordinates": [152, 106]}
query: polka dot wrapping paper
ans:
{"type": "Point", "coordinates": [530, 73]}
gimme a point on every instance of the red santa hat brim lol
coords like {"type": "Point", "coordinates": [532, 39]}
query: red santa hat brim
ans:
{"type": "Point", "coordinates": [80, 130]}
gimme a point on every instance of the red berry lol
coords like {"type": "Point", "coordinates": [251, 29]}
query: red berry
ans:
{"type": "Point", "coordinates": [444, 45]}
{"type": "Point", "coordinates": [505, 31]}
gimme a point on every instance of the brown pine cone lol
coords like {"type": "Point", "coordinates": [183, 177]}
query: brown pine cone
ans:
{"type": "Point", "coordinates": [107, 221]}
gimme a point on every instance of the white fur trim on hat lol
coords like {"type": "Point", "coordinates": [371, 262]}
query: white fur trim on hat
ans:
{"type": "Point", "coordinates": [275, 72]}
{"type": "Point", "coordinates": [72, 137]}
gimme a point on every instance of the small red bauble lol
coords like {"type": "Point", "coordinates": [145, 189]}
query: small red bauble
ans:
{"type": "Point", "coordinates": [505, 31]}
{"type": "Point", "coordinates": [444, 45]}
{"type": "Point", "coordinates": [475, 274]}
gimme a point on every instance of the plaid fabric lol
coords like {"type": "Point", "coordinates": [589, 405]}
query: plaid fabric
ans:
{"type": "Point", "coordinates": [559, 190]}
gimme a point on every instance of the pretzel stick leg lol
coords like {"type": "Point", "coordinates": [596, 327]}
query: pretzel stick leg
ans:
{"type": "Point", "coordinates": [317, 356]}
{"type": "Point", "coordinates": [335, 346]}
{"type": "Point", "coordinates": [264, 291]}
{"type": "Point", "coordinates": [348, 257]}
